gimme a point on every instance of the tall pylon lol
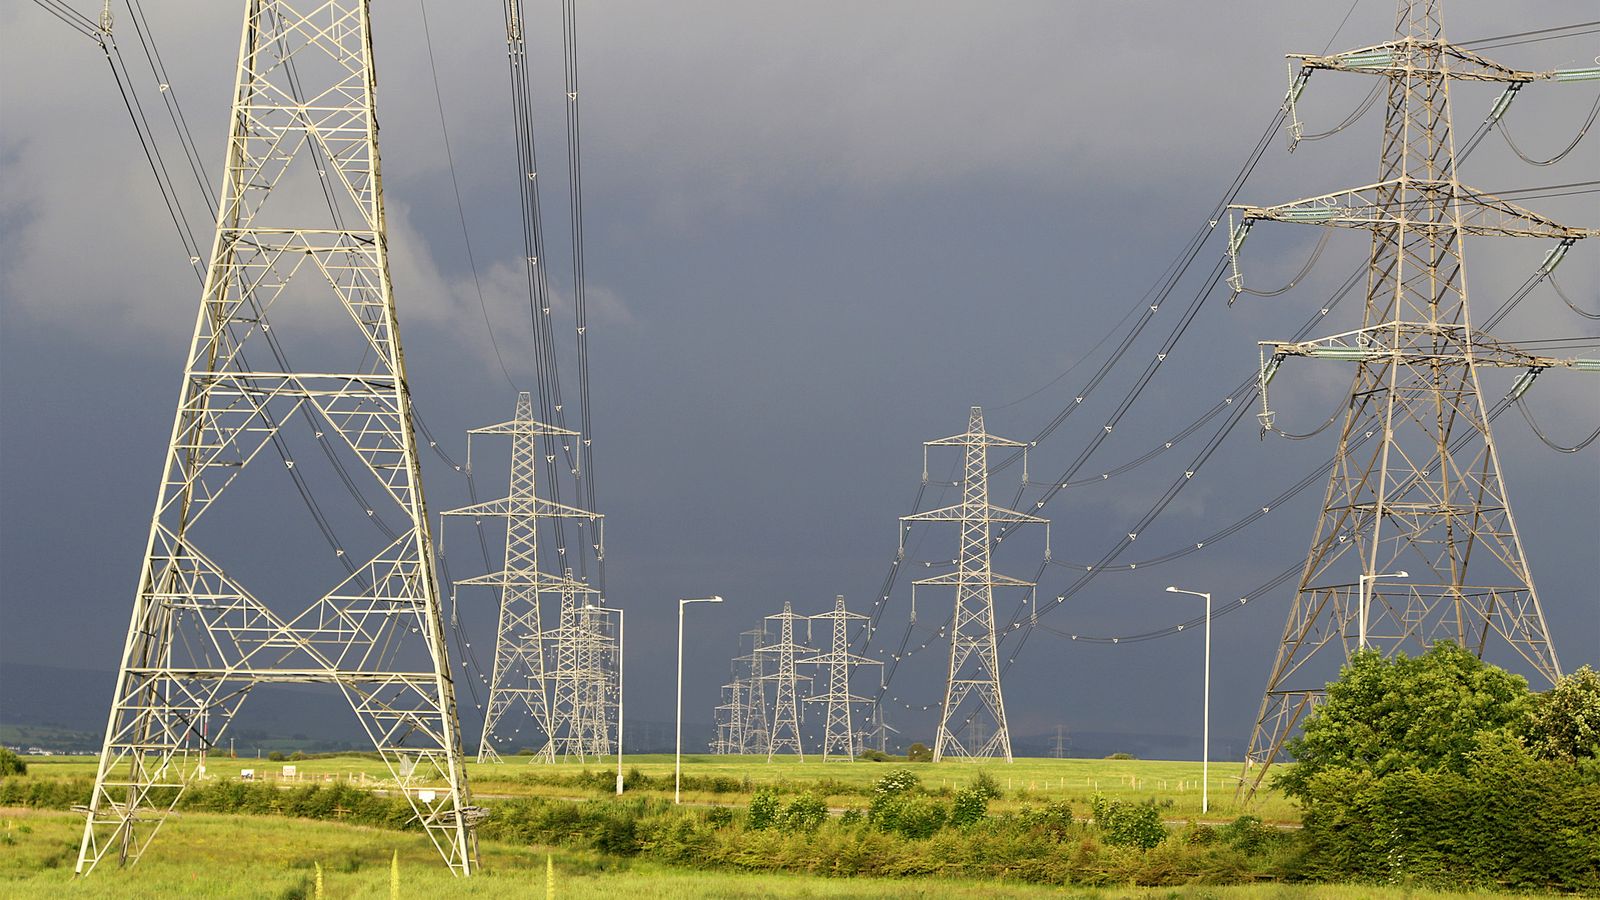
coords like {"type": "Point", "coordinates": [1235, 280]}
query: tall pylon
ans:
{"type": "Point", "coordinates": [580, 719]}
{"type": "Point", "coordinates": [838, 731]}
{"type": "Point", "coordinates": [785, 732]}
{"type": "Point", "coordinates": [974, 658]}
{"type": "Point", "coordinates": [1416, 541]}
{"type": "Point", "coordinates": [284, 271]}
{"type": "Point", "coordinates": [757, 729]}
{"type": "Point", "coordinates": [520, 679]}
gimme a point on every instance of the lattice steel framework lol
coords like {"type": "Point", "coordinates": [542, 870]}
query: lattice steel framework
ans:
{"type": "Point", "coordinates": [785, 732]}
{"type": "Point", "coordinates": [1425, 495]}
{"type": "Point", "coordinates": [199, 641]}
{"type": "Point", "coordinates": [757, 729]}
{"type": "Point", "coordinates": [838, 731]}
{"type": "Point", "coordinates": [520, 679]}
{"type": "Point", "coordinates": [974, 673]}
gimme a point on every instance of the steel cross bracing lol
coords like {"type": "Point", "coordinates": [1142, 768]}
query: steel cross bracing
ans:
{"type": "Point", "coordinates": [580, 713]}
{"type": "Point", "coordinates": [1427, 498]}
{"type": "Point", "coordinates": [838, 732]}
{"type": "Point", "coordinates": [199, 641]}
{"type": "Point", "coordinates": [785, 733]}
{"type": "Point", "coordinates": [974, 673]}
{"type": "Point", "coordinates": [520, 679]}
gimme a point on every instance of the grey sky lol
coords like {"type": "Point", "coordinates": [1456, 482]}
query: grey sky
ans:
{"type": "Point", "coordinates": [817, 233]}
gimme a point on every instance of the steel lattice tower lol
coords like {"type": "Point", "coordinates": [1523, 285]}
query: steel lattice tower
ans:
{"type": "Point", "coordinates": [199, 641]}
{"type": "Point", "coordinates": [520, 679]}
{"type": "Point", "coordinates": [786, 708]}
{"type": "Point", "coordinates": [756, 729]}
{"type": "Point", "coordinates": [1426, 496]}
{"type": "Point", "coordinates": [838, 732]}
{"type": "Point", "coordinates": [579, 717]}
{"type": "Point", "coordinates": [974, 659]}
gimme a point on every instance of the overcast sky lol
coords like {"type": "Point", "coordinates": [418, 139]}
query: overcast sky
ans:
{"type": "Point", "coordinates": [816, 234]}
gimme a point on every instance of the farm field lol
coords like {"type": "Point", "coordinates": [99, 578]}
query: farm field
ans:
{"type": "Point", "coordinates": [1174, 785]}
{"type": "Point", "coordinates": [204, 855]}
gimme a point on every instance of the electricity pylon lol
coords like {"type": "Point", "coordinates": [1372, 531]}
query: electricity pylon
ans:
{"type": "Point", "coordinates": [1426, 496]}
{"type": "Point", "coordinates": [520, 680]}
{"type": "Point", "coordinates": [974, 659]}
{"type": "Point", "coordinates": [580, 723]}
{"type": "Point", "coordinates": [199, 641]}
{"type": "Point", "coordinates": [838, 731]}
{"type": "Point", "coordinates": [786, 708]}
{"type": "Point", "coordinates": [756, 729]}
{"type": "Point", "coordinates": [1058, 747]}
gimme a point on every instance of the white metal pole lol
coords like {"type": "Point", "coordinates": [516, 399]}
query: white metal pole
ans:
{"type": "Point", "coordinates": [1205, 750]}
{"type": "Point", "coordinates": [622, 621]}
{"type": "Point", "coordinates": [1361, 614]}
{"type": "Point", "coordinates": [677, 753]}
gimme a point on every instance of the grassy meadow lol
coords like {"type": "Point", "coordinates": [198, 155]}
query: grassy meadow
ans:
{"type": "Point", "coordinates": [709, 779]}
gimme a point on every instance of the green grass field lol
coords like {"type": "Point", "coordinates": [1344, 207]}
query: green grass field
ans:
{"type": "Point", "coordinates": [843, 783]}
{"type": "Point", "coordinates": [201, 855]}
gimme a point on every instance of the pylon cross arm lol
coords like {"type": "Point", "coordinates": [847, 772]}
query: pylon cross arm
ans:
{"type": "Point", "coordinates": [1380, 342]}
{"type": "Point", "coordinates": [958, 512]}
{"type": "Point", "coordinates": [523, 426]}
{"type": "Point", "coordinates": [994, 579]}
{"type": "Point", "coordinates": [1412, 203]}
{"type": "Point", "coordinates": [1414, 57]}
{"type": "Point", "coordinates": [509, 506]}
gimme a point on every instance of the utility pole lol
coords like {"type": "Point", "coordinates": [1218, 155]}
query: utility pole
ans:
{"type": "Point", "coordinates": [838, 731]}
{"type": "Point", "coordinates": [974, 672]}
{"type": "Point", "coordinates": [520, 679]}
{"type": "Point", "coordinates": [1427, 494]}
{"type": "Point", "coordinates": [301, 221]}
{"type": "Point", "coordinates": [786, 710]}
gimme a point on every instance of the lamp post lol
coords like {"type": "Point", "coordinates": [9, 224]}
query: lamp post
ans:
{"type": "Point", "coordinates": [621, 622]}
{"type": "Point", "coordinates": [1205, 739]}
{"type": "Point", "coordinates": [1364, 588]}
{"type": "Point", "coordinates": [677, 753]}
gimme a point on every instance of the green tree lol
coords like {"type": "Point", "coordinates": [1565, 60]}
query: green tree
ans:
{"type": "Point", "coordinates": [11, 763]}
{"type": "Point", "coordinates": [1387, 715]}
{"type": "Point", "coordinates": [919, 752]}
{"type": "Point", "coordinates": [1566, 718]}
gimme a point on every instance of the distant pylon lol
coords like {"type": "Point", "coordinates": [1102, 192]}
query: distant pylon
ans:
{"type": "Point", "coordinates": [838, 732]}
{"type": "Point", "coordinates": [757, 730]}
{"type": "Point", "coordinates": [1058, 747]}
{"type": "Point", "coordinates": [786, 710]}
{"type": "Point", "coordinates": [974, 659]}
{"type": "Point", "coordinates": [1416, 542]}
{"type": "Point", "coordinates": [300, 257]}
{"type": "Point", "coordinates": [878, 730]}
{"type": "Point", "coordinates": [521, 677]}
{"type": "Point", "coordinates": [580, 721]}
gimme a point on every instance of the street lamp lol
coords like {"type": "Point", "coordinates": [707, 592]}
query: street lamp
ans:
{"type": "Point", "coordinates": [1364, 590]}
{"type": "Point", "coordinates": [621, 621]}
{"type": "Point", "coordinates": [1205, 739]}
{"type": "Point", "coordinates": [677, 753]}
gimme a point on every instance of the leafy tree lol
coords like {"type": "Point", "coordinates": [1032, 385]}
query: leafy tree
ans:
{"type": "Point", "coordinates": [763, 809]}
{"type": "Point", "coordinates": [11, 763]}
{"type": "Point", "coordinates": [1388, 715]}
{"type": "Point", "coordinates": [1566, 718]}
{"type": "Point", "coordinates": [919, 752]}
{"type": "Point", "coordinates": [969, 807]}
{"type": "Point", "coordinates": [805, 813]}
{"type": "Point", "coordinates": [1127, 824]}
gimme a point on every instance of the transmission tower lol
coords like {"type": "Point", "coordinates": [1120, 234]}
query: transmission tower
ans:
{"type": "Point", "coordinates": [199, 641]}
{"type": "Point", "coordinates": [579, 714]}
{"type": "Point", "coordinates": [1058, 747]}
{"type": "Point", "coordinates": [757, 730]}
{"type": "Point", "coordinates": [1416, 542]}
{"type": "Point", "coordinates": [520, 680]}
{"type": "Point", "coordinates": [786, 709]}
{"type": "Point", "coordinates": [974, 658]}
{"type": "Point", "coordinates": [838, 731]}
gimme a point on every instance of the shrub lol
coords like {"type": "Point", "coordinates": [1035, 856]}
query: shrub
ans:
{"type": "Point", "coordinates": [11, 763]}
{"type": "Point", "coordinates": [915, 817]}
{"type": "Point", "coordinates": [806, 812]}
{"type": "Point", "coordinates": [719, 817]}
{"type": "Point", "coordinates": [1566, 718]}
{"type": "Point", "coordinates": [1245, 834]}
{"type": "Point", "coordinates": [986, 784]}
{"type": "Point", "coordinates": [1120, 755]}
{"type": "Point", "coordinates": [971, 804]}
{"type": "Point", "coordinates": [1127, 824]}
{"type": "Point", "coordinates": [874, 756]}
{"type": "Point", "coordinates": [763, 809]}
{"type": "Point", "coordinates": [275, 756]}
{"type": "Point", "coordinates": [852, 817]}
{"type": "Point", "coordinates": [919, 752]}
